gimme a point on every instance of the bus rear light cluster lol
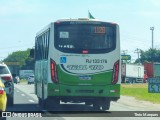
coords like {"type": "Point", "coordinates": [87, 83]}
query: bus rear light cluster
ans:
{"type": "Point", "coordinates": [115, 72]}
{"type": "Point", "coordinates": [114, 91]}
{"type": "Point", "coordinates": [53, 71]}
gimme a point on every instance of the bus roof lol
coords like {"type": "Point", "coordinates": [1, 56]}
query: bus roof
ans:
{"type": "Point", "coordinates": [82, 19]}
{"type": "Point", "coordinates": [43, 30]}
{"type": "Point", "coordinates": [79, 19]}
{"type": "Point", "coordinates": [70, 20]}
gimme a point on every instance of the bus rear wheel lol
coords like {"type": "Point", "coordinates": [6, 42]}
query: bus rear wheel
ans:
{"type": "Point", "coordinates": [101, 105]}
{"type": "Point", "coordinates": [106, 105]}
{"type": "Point", "coordinates": [52, 104]}
{"type": "Point", "coordinates": [96, 107]}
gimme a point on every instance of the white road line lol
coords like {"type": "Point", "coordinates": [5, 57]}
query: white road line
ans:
{"type": "Point", "coordinates": [23, 94]}
{"type": "Point", "coordinates": [32, 101]}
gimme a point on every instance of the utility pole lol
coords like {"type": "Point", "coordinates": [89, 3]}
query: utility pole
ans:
{"type": "Point", "coordinates": [124, 52]}
{"type": "Point", "coordinates": [152, 29]}
{"type": "Point", "coordinates": [138, 52]}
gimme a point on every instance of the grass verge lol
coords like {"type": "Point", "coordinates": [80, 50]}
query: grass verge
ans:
{"type": "Point", "coordinates": [23, 81]}
{"type": "Point", "coordinates": [140, 91]}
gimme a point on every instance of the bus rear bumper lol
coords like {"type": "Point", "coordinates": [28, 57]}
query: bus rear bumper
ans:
{"type": "Point", "coordinates": [111, 92]}
{"type": "Point", "coordinates": [81, 99]}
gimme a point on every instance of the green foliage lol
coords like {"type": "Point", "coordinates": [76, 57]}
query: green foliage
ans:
{"type": "Point", "coordinates": [22, 57]}
{"type": "Point", "coordinates": [18, 56]}
{"type": "Point", "coordinates": [151, 55]}
{"type": "Point", "coordinates": [140, 91]}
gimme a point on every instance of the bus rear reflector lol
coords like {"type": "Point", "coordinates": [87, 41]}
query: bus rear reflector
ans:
{"type": "Point", "coordinates": [114, 91]}
{"type": "Point", "coordinates": [115, 72]}
{"type": "Point", "coordinates": [53, 71]}
{"type": "Point", "coordinates": [85, 51]}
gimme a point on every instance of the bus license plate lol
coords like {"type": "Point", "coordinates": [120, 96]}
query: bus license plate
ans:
{"type": "Point", "coordinates": [84, 77]}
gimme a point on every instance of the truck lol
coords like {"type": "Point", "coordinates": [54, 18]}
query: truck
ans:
{"type": "Point", "coordinates": [132, 73]}
{"type": "Point", "coordinates": [152, 69]}
{"type": "Point", "coordinates": [24, 74]}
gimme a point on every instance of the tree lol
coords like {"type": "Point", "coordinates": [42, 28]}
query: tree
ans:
{"type": "Point", "coordinates": [29, 64]}
{"type": "Point", "coordinates": [21, 57]}
{"type": "Point", "coordinates": [151, 55]}
{"type": "Point", "coordinates": [18, 56]}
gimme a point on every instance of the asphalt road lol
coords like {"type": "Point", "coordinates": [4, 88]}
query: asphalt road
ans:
{"type": "Point", "coordinates": [26, 101]}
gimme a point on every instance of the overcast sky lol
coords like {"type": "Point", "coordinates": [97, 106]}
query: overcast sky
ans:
{"type": "Point", "coordinates": [20, 20]}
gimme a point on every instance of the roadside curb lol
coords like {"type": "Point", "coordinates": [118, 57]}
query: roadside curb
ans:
{"type": "Point", "coordinates": [132, 101]}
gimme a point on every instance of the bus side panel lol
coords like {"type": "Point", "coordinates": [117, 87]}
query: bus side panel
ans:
{"type": "Point", "coordinates": [38, 84]}
{"type": "Point", "coordinates": [118, 52]}
{"type": "Point", "coordinates": [41, 73]}
{"type": "Point", "coordinates": [44, 73]}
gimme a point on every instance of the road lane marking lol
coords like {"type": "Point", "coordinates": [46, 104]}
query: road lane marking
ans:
{"type": "Point", "coordinates": [23, 94]}
{"type": "Point", "coordinates": [32, 101]}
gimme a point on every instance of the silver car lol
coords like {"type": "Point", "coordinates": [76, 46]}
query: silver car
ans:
{"type": "Point", "coordinates": [31, 79]}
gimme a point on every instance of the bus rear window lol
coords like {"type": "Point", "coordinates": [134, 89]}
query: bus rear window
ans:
{"type": "Point", "coordinates": [75, 38]}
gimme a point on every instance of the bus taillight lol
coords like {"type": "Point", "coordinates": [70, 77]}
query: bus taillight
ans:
{"type": "Point", "coordinates": [53, 71]}
{"type": "Point", "coordinates": [115, 72]}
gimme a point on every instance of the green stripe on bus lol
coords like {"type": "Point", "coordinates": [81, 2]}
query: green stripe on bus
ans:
{"type": "Point", "coordinates": [96, 79]}
{"type": "Point", "coordinates": [81, 90]}
{"type": "Point", "coordinates": [71, 85]}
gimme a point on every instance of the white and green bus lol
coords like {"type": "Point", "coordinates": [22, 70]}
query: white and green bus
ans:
{"type": "Point", "coordinates": [78, 60]}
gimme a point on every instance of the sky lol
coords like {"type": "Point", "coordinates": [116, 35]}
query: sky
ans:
{"type": "Point", "coordinates": [20, 20]}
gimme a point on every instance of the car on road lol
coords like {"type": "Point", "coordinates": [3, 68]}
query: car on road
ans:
{"type": "Point", "coordinates": [7, 79]}
{"type": "Point", "coordinates": [16, 79]}
{"type": "Point", "coordinates": [31, 79]}
{"type": "Point", "coordinates": [3, 97]}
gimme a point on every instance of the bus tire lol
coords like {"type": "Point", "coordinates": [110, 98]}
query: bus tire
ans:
{"type": "Point", "coordinates": [52, 104]}
{"type": "Point", "coordinates": [88, 103]}
{"type": "Point", "coordinates": [39, 101]}
{"type": "Point", "coordinates": [106, 105]}
{"type": "Point", "coordinates": [96, 106]}
{"type": "Point", "coordinates": [134, 81]}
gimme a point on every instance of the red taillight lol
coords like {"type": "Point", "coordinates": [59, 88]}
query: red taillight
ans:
{"type": "Point", "coordinates": [1, 90]}
{"type": "Point", "coordinates": [85, 51]}
{"type": "Point", "coordinates": [115, 72]}
{"type": "Point", "coordinates": [53, 72]}
{"type": "Point", "coordinates": [7, 78]}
